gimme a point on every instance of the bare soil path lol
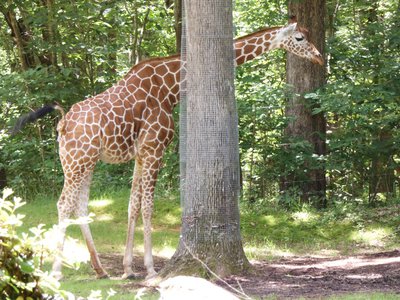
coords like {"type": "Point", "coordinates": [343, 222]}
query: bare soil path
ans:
{"type": "Point", "coordinates": [308, 277]}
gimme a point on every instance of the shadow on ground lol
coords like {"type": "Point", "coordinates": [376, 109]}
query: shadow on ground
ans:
{"type": "Point", "coordinates": [294, 277]}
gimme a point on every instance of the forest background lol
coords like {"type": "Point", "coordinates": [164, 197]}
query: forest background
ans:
{"type": "Point", "coordinates": [66, 51]}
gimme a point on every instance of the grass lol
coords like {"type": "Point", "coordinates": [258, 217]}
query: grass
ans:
{"type": "Point", "coordinates": [371, 296]}
{"type": "Point", "coordinates": [276, 232]}
{"type": "Point", "coordinates": [268, 232]}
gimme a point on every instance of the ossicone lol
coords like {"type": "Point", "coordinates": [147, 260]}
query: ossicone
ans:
{"type": "Point", "coordinates": [292, 19]}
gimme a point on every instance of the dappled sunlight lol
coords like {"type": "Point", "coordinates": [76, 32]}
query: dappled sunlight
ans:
{"type": "Point", "coordinates": [347, 263]}
{"type": "Point", "coordinates": [270, 220]}
{"type": "Point", "coordinates": [304, 217]}
{"type": "Point", "coordinates": [365, 276]}
{"type": "Point", "coordinates": [166, 214]}
{"type": "Point", "coordinates": [105, 217]}
{"type": "Point", "coordinates": [100, 203]}
{"type": "Point", "coordinates": [165, 242]}
{"type": "Point", "coordinates": [164, 252]}
{"type": "Point", "coordinates": [375, 237]}
{"type": "Point", "coordinates": [263, 251]}
{"type": "Point", "coordinates": [171, 219]}
{"type": "Point", "coordinates": [75, 252]}
{"type": "Point", "coordinates": [328, 252]}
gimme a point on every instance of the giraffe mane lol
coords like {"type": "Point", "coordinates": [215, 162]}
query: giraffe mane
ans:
{"type": "Point", "coordinates": [262, 30]}
{"type": "Point", "coordinates": [152, 60]}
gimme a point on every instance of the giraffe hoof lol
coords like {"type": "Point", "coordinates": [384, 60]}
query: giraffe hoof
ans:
{"type": "Point", "coordinates": [130, 276]}
{"type": "Point", "coordinates": [151, 275]}
{"type": "Point", "coordinates": [57, 275]}
{"type": "Point", "coordinates": [102, 276]}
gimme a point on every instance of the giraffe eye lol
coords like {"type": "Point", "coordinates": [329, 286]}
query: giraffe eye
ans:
{"type": "Point", "coordinates": [299, 39]}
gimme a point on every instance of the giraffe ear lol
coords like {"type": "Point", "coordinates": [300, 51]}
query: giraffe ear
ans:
{"type": "Point", "coordinates": [292, 19]}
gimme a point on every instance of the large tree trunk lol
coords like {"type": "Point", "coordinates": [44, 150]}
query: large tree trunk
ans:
{"type": "Point", "coordinates": [210, 222]}
{"type": "Point", "coordinates": [305, 77]}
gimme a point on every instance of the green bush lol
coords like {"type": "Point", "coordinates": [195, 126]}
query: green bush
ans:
{"type": "Point", "coordinates": [22, 256]}
{"type": "Point", "coordinates": [22, 276]}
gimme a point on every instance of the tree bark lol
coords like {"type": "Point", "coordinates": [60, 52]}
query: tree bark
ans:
{"type": "Point", "coordinates": [3, 178]}
{"type": "Point", "coordinates": [21, 35]}
{"type": "Point", "coordinates": [49, 57]}
{"type": "Point", "coordinates": [305, 77]}
{"type": "Point", "coordinates": [178, 24]}
{"type": "Point", "coordinates": [210, 222]}
{"type": "Point", "coordinates": [139, 28]}
{"type": "Point", "coordinates": [16, 32]}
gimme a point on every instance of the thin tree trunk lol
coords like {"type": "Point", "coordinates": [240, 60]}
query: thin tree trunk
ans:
{"type": "Point", "coordinates": [178, 24]}
{"type": "Point", "coordinates": [49, 57]}
{"type": "Point", "coordinates": [210, 223]}
{"type": "Point", "coordinates": [20, 34]}
{"type": "Point", "coordinates": [136, 54]}
{"type": "Point", "coordinates": [52, 28]}
{"type": "Point", "coordinates": [18, 40]}
{"type": "Point", "coordinates": [3, 178]}
{"type": "Point", "coordinates": [305, 77]}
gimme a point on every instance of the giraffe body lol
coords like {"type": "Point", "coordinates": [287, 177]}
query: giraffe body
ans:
{"type": "Point", "coordinates": [130, 120]}
{"type": "Point", "coordinates": [133, 120]}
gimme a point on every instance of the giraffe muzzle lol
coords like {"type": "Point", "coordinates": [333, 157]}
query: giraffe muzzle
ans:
{"type": "Point", "coordinates": [319, 60]}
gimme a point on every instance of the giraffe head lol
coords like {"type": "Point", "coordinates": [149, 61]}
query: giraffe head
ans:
{"type": "Point", "coordinates": [295, 39]}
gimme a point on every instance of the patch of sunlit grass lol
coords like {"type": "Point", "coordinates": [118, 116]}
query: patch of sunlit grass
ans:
{"type": "Point", "coordinates": [171, 219]}
{"type": "Point", "coordinates": [105, 217]}
{"type": "Point", "coordinates": [265, 250]}
{"type": "Point", "coordinates": [304, 217]}
{"type": "Point", "coordinates": [374, 237]}
{"type": "Point", "coordinates": [270, 220]}
{"type": "Point", "coordinates": [101, 203]}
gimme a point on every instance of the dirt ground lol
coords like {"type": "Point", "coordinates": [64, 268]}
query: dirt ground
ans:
{"type": "Point", "coordinates": [307, 277]}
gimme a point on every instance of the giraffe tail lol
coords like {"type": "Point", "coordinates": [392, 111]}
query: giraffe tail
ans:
{"type": "Point", "coordinates": [37, 114]}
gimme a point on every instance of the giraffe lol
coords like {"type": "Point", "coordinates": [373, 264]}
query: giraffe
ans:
{"type": "Point", "coordinates": [133, 120]}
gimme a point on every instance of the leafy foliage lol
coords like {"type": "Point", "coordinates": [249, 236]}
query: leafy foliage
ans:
{"type": "Point", "coordinates": [360, 102]}
{"type": "Point", "coordinates": [66, 64]}
{"type": "Point", "coordinates": [67, 67]}
{"type": "Point", "coordinates": [362, 98]}
{"type": "Point", "coordinates": [22, 257]}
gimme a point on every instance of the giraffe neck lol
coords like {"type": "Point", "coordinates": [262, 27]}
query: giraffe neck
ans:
{"type": "Point", "coordinates": [165, 72]}
{"type": "Point", "coordinates": [255, 44]}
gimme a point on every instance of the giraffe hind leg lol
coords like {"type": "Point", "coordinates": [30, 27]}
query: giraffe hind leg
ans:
{"type": "Point", "coordinates": [85, 229]}
{"type": "Point", "coordinates": [73, 202]}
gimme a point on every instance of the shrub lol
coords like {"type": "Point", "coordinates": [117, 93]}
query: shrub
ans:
{"type": "Point", "coordinates": [22, 257]}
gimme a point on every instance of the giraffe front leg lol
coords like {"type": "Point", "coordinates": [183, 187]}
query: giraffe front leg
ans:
{"type": "Point", "coordinates": [134, 210]}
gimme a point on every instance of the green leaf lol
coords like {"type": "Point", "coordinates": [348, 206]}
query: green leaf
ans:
{"type": "Point", "coordinates": [26, 266]}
